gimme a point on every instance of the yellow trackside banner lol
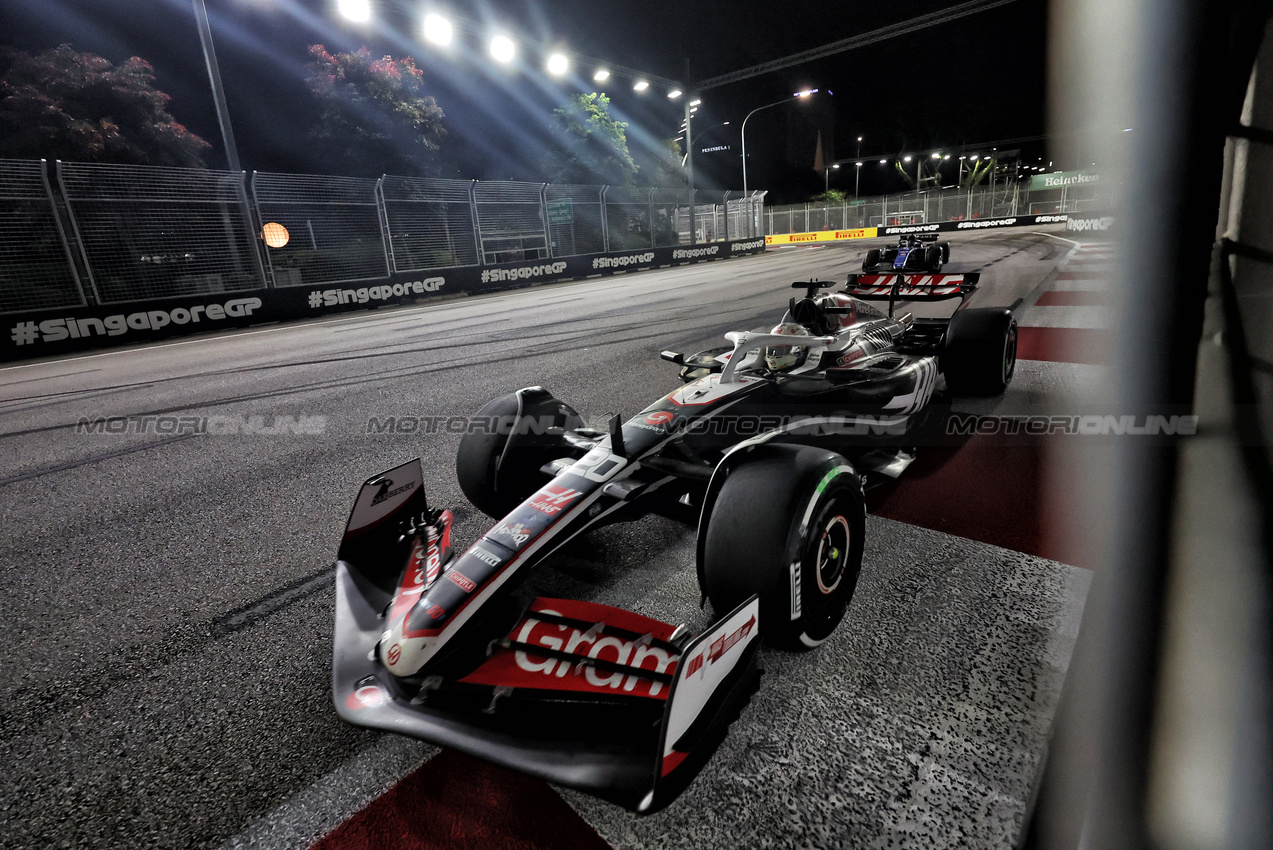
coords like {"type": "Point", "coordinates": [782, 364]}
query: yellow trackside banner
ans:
{"type": "Point", "coordinates": [821, 236]}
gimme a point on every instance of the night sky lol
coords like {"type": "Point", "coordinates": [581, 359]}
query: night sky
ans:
{"type": "Point", "coordinates": [974, 80]}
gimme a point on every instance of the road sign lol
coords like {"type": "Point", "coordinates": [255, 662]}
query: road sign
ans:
{"type": "Point", "coordinates": [561, 211]}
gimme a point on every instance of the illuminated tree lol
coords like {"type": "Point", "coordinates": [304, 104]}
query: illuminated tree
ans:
{"type": "Point", "coordinates": [376, 117]}
{"type": "Point", "coordinates": [61, 104]}
{"type": "Point", "coordinates": [592, 145]}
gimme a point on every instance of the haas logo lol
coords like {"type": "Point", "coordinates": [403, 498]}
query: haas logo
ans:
{"type": "Point", "coordinates": [601, 647]}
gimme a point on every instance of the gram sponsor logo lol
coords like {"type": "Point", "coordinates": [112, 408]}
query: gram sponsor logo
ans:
{"type": "Point", "coordinates": [591, 644]}
{"type": "Point", "coordinates": [72, 327]}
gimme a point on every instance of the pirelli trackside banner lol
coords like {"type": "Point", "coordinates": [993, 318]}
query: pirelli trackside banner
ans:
{"type": "Point", "coordinates": [821, 236]}
{"type": "Point", "coordinates": [44, 332]}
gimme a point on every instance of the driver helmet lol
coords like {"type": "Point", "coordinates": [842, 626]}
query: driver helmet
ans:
{"type": "Point", "coordinates": [782, 357]}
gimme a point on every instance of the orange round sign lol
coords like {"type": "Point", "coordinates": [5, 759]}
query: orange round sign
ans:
{"type": "Point", "coordinates": [275, 234]}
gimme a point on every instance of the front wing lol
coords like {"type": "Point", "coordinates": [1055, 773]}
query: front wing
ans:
{"type": "Point", "coordinates": [585, 695]}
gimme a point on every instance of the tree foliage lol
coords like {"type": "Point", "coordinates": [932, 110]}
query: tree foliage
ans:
{"type": "Point", "coordinates": [830, 196]}
{"type": "Point", "coordinates": [592, 145]}
{"type": "Point", "coordinates": [376, 117]}
{"type": "Point", "coordinates": [977, 173]}
{"type": "Point", "coordinates": [60, 104]}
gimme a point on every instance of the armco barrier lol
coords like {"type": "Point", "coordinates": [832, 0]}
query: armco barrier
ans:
{"type": "Point", "coordinates": [50, 332]}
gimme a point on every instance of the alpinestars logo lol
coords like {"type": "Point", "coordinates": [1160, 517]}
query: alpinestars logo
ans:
{"type": "Point", "coordinates": [552, 499]}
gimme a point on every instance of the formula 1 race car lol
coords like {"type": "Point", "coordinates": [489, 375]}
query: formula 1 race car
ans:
{"type": "Point", "coordinates": [911, 254]}
{"type": "Point", "coordinates": [766, 446]}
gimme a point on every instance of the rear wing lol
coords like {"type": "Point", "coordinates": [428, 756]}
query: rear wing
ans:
{"type": "Point", "coordinates": [911, 287]}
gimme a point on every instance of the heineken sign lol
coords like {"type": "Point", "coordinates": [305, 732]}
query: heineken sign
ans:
{"type": "Point", "coordinates": [1060, 179]}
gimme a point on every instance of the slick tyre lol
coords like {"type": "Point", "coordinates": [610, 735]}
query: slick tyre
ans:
{"type": "Point", "coordinates": [979, 356]}
{"type": "Point", "coordinates": [872, 259]}
{"type": "Point", "coordinates": [511, 438]}
{"type": "Point", "coordinates": [933, 258]}
{"type": "Point", "coordinates": [787, 525]}
{"type": "Point", "coordinates": [945, 251]}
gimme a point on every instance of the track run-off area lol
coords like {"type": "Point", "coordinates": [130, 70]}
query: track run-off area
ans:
{"type": "Point", "coordinates": [169, 594]}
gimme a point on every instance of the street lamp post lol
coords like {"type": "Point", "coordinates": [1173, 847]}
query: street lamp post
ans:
{"type": "Point", "coordinates": [743, 132]}
{"type": "Point", "coordinates": [218, 90]}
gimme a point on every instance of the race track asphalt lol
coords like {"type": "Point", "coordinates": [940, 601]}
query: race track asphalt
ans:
{"type": "Point", "coordinates": [168, 597]}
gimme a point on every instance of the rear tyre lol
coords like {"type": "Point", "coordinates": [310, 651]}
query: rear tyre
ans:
{"type": "Point", "coordinates": [787, 525]}
{"type": "Point", "coordinates": [872, 259]}
{"type": "Point", "coordinates": [979, 356]}
{"type": "Point", "coordinates": [510, 439]}
{"type": "Point", "coordinates": [945, 251]}
{"type": "Point", "coordinates": [932, 258]}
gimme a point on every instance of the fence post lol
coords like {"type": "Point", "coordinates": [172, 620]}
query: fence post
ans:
{"type": "Point", "coordinates": [477, 224]}
{"type": "Point", "coordinates": [605, 221]}
{"type": "Point", "coordinates": [386, 238]}
{"type": "Point", "coordinates": [725, 201]}
{"type": "Point", "coordinates": [79, 238]}
{"type": "Point", "coordinates": [61, 233]}
{"type": "Point", "coordinates": [543, 216]}
{"type": "Point", "coordinates": [650, 203]}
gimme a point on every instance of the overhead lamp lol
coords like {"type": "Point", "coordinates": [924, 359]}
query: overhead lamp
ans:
{"type": "Point", "coordinates": [502, 49]}
{"type": "Point", "coordinates": [859, 165]}
{"type": "Point", "coordinates": [695, 102]}
{"type": "Point", "coordinates": [601, 76]}
{"type": "Point", "coordinates": [947, 156]}
{"type": "Point", "coordinates": [974, 157]}
{"type": "Point", "coordinates": [437, 29]}
{"type": "Point", "coordinates": [641, 85]}
{"type": "Point", "coordinates": [883, 161]}
{"type": "Point", "coordinates": [837, 165]}
{"type": "Point", "coordinates": [358, 11]}
{"type": "Point", "coordinates": [804, 93]}
{"type": "Point", "coordinates": [674, 94]}
{"type": "Point", "coordinates": [557, 64]}
{"type": "Point", "coordinates": [936, 156]}
{"type": "Point", "coordinates": [906, 159]}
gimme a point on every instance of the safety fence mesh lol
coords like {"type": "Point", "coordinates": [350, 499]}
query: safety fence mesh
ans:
{"type": "Point", "coordinates": [35, 266]}
{"type": "Point", "coordinates": [107, 234]}
{"type": "Point", "coordinates": [149, 232]}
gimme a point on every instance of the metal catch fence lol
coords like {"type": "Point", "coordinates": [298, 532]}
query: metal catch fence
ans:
{"type": "Point", "coordinates": [36, 271]}
{"type": "Point", "coordinates": [937, 205]}
{"type": "Point", "coordinates": [334, 224]}
{"type": "Point", "coordinates": [149, 232]}
{"type": "Point", "coordinates": [140, 233]}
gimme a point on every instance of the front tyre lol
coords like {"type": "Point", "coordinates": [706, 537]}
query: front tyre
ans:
{"type": "Point", "coordinates": [508, 442]}
{"type": "Point", "coordinates": [787, 525]}
{"type": "Point", "coordinates": [872, 259]}
{"type": "Point", "coordinates": [979, 355]}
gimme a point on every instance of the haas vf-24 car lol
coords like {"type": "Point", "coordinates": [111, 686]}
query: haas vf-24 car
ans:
{"type": "Point", "coordinates": [766, 446]}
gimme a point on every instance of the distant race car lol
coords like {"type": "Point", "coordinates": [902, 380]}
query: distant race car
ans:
{"type": "Point", "coordinates": [911, 254]}
{"type": "Point", "coordinates": [766, 447]}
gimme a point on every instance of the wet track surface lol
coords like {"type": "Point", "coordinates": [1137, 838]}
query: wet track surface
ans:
{"type": "Point", "coordinates": [169, 596]}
